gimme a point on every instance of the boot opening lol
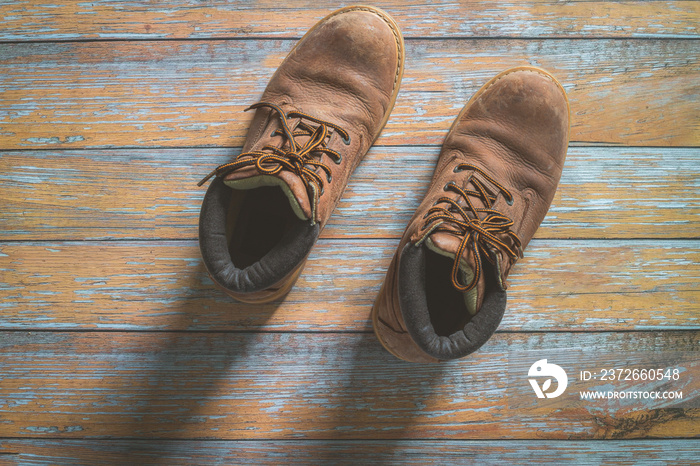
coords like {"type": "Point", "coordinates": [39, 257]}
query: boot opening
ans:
{"type": "Point", "coordinates": [257, 220]}
{"type": "Point", "coordinates": [446, 306]}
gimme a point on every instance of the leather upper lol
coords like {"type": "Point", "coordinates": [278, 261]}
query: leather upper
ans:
{"type": "Point", "coordinates": [346, 70]}
{"type": "Point", "coordinates": [516, 130]}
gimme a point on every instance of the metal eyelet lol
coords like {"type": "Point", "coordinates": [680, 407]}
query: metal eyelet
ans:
{"type": "Point", "coordinates": [444, 188]}
{"type": "Point", "coordinates": [347, 141]}
{"type": "Point", "coordinates": [509, 202]}
{"type": "Point", "coordinates": [339, 160]}
{"type": "Point", "coordinates": [329, 178]}
{"type": "Point", "coordinates": [457, 169]}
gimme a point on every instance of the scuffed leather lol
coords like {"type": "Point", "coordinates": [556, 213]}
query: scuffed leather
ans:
{"type": "Point", "coordinates": [516, 129]}
{"type": "Point", "coordinates": [346, 70]}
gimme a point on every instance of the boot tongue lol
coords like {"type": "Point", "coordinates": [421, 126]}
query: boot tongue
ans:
{"type": "Point", "coordinates": [291, 185]}
{"type": "Point", "coordinates": [447, 245]}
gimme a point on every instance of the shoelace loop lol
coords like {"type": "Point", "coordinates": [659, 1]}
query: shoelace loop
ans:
{"type": "Point", "coordinates": [476, 232]}
{"type": "Point", "coordinates": [291, 155]}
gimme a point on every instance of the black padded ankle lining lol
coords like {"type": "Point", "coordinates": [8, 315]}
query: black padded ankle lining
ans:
{"type": "Point", "coordinates": [414, 308]}
{"type": "Point", "coordinates": [270, 269]}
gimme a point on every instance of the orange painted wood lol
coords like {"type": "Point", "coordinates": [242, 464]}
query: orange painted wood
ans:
{"type": "Point", "coordinates": [586, 286]}
{"type": "Point", "coordinates": [157, 385]}
{"type": "Point", "coordinates": [192, 93]}
{"type": "Point", "coordinates": [405, 452]}
{"type": "Point", "coordinates": [113, 339]}
{"type": "Point", "coordinates": [50, 20]}
{"type": "Point", "coordinates": [101, 194]}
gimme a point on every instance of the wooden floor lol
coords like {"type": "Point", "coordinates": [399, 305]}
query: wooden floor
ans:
{"type": "Point", "coordinates": [114, 344]}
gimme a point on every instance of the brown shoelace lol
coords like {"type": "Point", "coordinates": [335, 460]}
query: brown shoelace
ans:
{"type": "Point", "coordinates": [292, 155]}
{"type": "Point", "coordinates": [476, 232]}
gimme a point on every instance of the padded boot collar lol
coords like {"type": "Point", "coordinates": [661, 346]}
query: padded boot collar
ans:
{"type": "Point", "coordinates": [414, 308]}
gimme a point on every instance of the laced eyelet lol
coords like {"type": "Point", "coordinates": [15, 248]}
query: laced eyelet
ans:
{"type": "Point", "coordinates": [457, 169]}
{"type": "Point", "coordinates": [329, 178]}
{"type": "Point", "coordinates": [467, 223]}
{"type": "Point", "coordinates": [292, 156]}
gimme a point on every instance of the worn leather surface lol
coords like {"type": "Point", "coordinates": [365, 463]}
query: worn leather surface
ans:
{"type": "Point", "coordinates": [516, 130]}
{"type": "Point", "coordinates": [346, 70]}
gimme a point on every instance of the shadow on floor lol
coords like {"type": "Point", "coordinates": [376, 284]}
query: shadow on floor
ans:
{"type": "Point", "coordinates": [376, 396]}
{"type": "Point", "coordinates": [189, 370]}
{"type": "Point", "coordinates": [285, 385]}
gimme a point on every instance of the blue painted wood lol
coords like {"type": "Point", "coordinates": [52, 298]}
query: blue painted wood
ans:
{"type": "Point", "coordinates": [247, 385]}
{"type": "Point", "coordinates": [306, 377]}
{"type": "Point", "coordinates": [560, 285]}
{"type": "Point", "coordinates": [605, 192]}
{"type": "Point", "coordinates": [192, 93]}
{"type": "Point", "coordinates": [407, 452]}
{"type": "Point", "coordinates": [123, 19]}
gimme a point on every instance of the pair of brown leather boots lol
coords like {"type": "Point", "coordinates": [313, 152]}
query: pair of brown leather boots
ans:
{"type": "Point", "coordinates": [444, 293]}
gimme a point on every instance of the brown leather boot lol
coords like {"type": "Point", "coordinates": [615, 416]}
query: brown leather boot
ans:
{"type": "Point", "coordinates": [321, 112]}
{"type": "Point", "coordinates": [444, 293]}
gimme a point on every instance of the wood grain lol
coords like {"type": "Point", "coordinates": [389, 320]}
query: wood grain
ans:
{"type": "Point", "coordinates": [350, 452]}
{"type": "Point", "coordinates": [192, 93]}
{"type": "Point", "coordinates": [316, 386]}
{"type": "Point", "coordinates": [103, 194]}
{"type": "Point", "coordinates": [115, 347]}
{"type": "Point", "coordinates": [558, 286]}
{"type": "Point", "coordinates": [31, 20]}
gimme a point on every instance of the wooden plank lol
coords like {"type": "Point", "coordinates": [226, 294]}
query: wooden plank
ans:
{"type": "Point", "coordinates": [317, 386]}
{"type": "Point", "coordinates": [585, 286]}
{"type": "Point", "coordinates": [191, 93]}
{"type": "Point", "coordinates": [101, 194]}
{"type": "Point", "coordinates": [46, 20]}
{"type": "Point", "coordinates": [407, 452]}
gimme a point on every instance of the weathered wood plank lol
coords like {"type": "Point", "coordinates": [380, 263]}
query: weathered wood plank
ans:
{"type": "Point", "coordinates": [191, 93]}
{"type": "Point", "coordinates": [296, 382]}
{"type": "Point", "coordinates": [101, 194]}
{"type": "Point", "coordinates": [407, 452]}
{"type": "Point", "coordinates": [279, 385]}
{"type": "Point", "coordinates": [46, 20]}
{"type": "Point", "coordinates": [559, 285]}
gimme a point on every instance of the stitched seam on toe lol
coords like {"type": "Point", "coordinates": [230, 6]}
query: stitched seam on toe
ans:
{"type": "Point", "coordinates": [508, 73]}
